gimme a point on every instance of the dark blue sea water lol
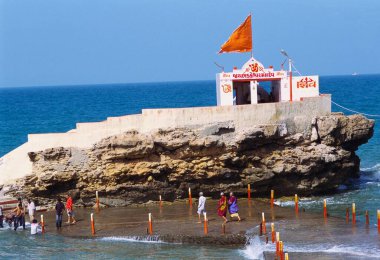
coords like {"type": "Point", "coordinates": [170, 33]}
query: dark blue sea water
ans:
{"type": "Point", "coordinates": [57, 109]}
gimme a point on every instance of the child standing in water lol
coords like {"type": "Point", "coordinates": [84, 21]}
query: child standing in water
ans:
{"type": "Point", "coordinates": [201, 206]}
{"type": "Point", "coordinates": [34, 227]}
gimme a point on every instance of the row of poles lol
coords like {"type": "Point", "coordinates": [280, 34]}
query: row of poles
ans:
{"type": "Point", "coordinates": [279, 244]}
{"type": "Point", "coordinates": [275, 235]}
{"type": "Point", "coordinates": [325, 215]}
{"type": "Point", "coordinates": [353, 210]}
{"type": "Point", "coordinates": [275, 239]}
{"type": "Point", "coordinates": [205, 219]}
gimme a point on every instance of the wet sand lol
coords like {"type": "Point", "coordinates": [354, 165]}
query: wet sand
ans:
{"type": "Point", "coordinates": [305, 236]}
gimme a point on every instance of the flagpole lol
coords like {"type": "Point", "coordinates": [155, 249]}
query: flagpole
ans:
{"type": "Point", "coordinates": [250, 14]}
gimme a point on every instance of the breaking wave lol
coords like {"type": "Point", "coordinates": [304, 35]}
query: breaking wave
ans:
{"type": "Point", "coordinates": [375, 168]}
{"type": "Point", "coordinates": [140, 239]}
{"type": "Point", "coordinates": [371, 173]}
{"type": "Point", "coordinates": [254, 249]}
{"type": "Point", "coordinates": [368, 253]}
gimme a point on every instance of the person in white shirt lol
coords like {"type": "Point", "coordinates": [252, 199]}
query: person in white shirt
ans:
{"type": "Point", "coordinates": [201, 206]}
{"type": "Point", "coordinates": [31, 210]}
{"type": "Point", "coordinates": [34, 227]}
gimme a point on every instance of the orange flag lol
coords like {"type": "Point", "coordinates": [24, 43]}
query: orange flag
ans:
{"type": "Point", "coordinates": [240, 40]}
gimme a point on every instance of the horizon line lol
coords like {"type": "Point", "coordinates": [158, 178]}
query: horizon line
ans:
{"type": "Point", "coordinates": [152, 82]}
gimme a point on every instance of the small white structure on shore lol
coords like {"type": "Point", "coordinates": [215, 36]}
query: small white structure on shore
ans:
{"type": "Point", "coordinates": [242, 86]}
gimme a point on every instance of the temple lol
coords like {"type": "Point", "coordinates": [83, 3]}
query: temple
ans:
{"type": "Point", "coordinates": [254, 84]}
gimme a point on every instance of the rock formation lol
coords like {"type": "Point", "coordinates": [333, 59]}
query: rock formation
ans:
{"type": "Point", "coordinates": [136, 167]}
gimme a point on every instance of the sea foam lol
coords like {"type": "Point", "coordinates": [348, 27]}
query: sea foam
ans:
{"type": "Point", "coordinates": [140, 239]}
{"type": "Point", "coordinates": [254, 249]}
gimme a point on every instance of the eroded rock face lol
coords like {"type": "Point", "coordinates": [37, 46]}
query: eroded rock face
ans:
{"type": "Point", "coordinates": [135, 168]}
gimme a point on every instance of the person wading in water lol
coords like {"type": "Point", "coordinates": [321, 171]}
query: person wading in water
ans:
{"type": "Point", "coordinates": [233, 207]}
{"type": "Point", "coordinates": [222, 207]}
{"type": "Point", "coordinates": [70, 211]}
{"type": "Point", "coordinates": [1, 217]}
{"type": "Point", "coordinates": [31, 210]}
{"type": "Point", "coordinates": [201, 206]}
{"type": "Point", "coordinates": [19, 212]}
{"type": "Point", "coordinates": [59, 208]}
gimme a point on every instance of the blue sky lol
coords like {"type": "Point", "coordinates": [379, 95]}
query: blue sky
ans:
{"type": "Point", "coordinates": [61, 42]}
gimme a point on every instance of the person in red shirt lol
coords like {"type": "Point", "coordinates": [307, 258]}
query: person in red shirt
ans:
{"type": "Point", "coordinates": [70, 211]}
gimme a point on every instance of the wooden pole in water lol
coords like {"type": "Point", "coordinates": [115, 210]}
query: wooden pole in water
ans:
{"type": "Point", "coordinates": [97, 200]}
{"type": "Point", "coordinates": [150, 224]}
{"type": "Point", "coordinates": [263, 222]}
{"type": "Point", "coordinates": [160, 201]}
{"type": "Point", "coordinates": [366, 218]}
{"type": "Point", "coordinates": [281, 250]}
{"type": "Point", "coordinates": [273, 233]}
{"type": "Point", "coordinates": [271, 198]}
{"type": "Point", "coordinates": [249, 192]}
{"type": "Point", "coordinates": [378, 221]}
{"type": "Point", "coordinates": [324, 208]}
{"type": "Point", "coordinates": [190, 199]}
{"type": "Point", "coordinates": [205, 223]}
{"type": "Point", "coordinates": [286, 256]}
{"type": "Point", "coordinates": [42, 224]}
{"type": "Point", "coordinates": [92, 224]}
{"type": "Point", "coordinates": [353, 214]}
{"type": "Point", "coordinates": [296, 203]}
{"type": "Point", "coordinates": [347, 215]}
{"type": "Point", "coordinates": [277, 243]}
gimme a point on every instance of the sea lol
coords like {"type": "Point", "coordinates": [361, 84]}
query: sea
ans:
{"type": "Point", "coordinates": [25, 110]}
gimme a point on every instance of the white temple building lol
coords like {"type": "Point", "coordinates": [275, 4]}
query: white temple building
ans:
{"type": "Point", "coordinates": [244, 86]}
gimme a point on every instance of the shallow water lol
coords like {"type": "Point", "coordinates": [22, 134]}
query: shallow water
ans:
{"type": "Point", "coordinates": [16, 245]}
{"type": "Point", "coordinates": [57, 109]}
{"type": "Point", "coordinates": [305, 236]}
{"type": "Point", "coordinates": [364, 192]}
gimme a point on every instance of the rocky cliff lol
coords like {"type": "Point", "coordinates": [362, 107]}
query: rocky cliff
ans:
{"type": "Point", "coordinates": [134, 167]}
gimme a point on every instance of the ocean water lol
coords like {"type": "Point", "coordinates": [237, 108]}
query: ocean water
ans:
{"type": "Point", "coordinates": [19, 245]}
{"type": "Point", "coordinates": [57, 109]}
